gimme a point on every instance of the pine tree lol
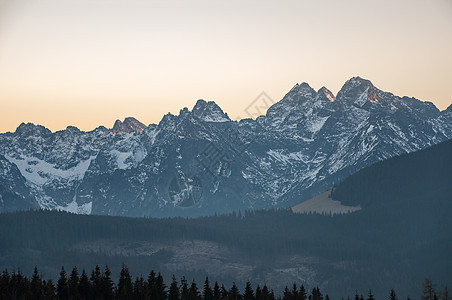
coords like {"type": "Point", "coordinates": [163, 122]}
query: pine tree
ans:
{"type": "Point", "coordinates": [370, 296]}
{"type": "Point", "coordinates": [95, 279]}
{"type": "Point", "coordinates": [392, 295]}
{"type": "Point", "coordinates": [248, 294]}
{"type": "Point", "coordinates": [216, 291]}
{"type": "Point", "coordinates": [207, 291]}
{"type": "Point", "coordinates": [62, 286]}
{"type": "Point", "coordinates": [160, 287]}
{"type": "Point", "coordinates": [139, 291]}
{"type": "Point", "coordinates": [302, 293]}
{"type": "Point", "coordinates": [106, 285]}
{"type": "Point", "coordinates": [73, 284]}
{"type": "Point", "coordinates": [193, 292]}
{"type": "Point", "coordinates": [316, 294]}
{"type": "Point", "coordinates": [35, 284]}
{"type": "Point", "coordinates": [49, 290]}
{"type": "Point", "coordinates": [152, 285]}
{"type": "Point", "coordinates": [287, 294]}
{"type": "Point", "coordinates": [4, 285]}
{"type": "Point", "coordinates": [125, 286]}
{"type": "Point", "coordinates": [266, 295]}
{"type": "Point", "coordinates": [174, 293]}
{"type": "Point", "coordinates": [84, 286]}
{"type": "Point", "coordinates": [258, 293]}
{"type": "Point", "coordinates": [184, 293]}
{"type": "Point", "coordinates": [224, 292]}
{"type": "Point", "coordinates": [234, 293]}
{"type": "Point", "coordinates": [295, 292]}
{"type": "Point", "coordinates": [428, 290]}
{"type": "Point", "coordinates": [445, 295]}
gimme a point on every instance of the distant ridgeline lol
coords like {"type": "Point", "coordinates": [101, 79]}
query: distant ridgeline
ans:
{"type": "Point", "coordinates": [200, 162]}
{"type": "Point", "coordinates": [100, 285]}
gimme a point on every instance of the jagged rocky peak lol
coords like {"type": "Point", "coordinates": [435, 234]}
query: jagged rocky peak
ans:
{"type": "Point", "coordinates": [327, 93]}
{"type": "Point", "coordinates": [30, 129]}
{"type": "Point", "coordinates": [302, 90]}
{"type": "Point", "coordinates": [209, 111]}
{"type": "Point", "coordinates": [129, 125]}
{"type": "Point", "coordinates": [358, 91]}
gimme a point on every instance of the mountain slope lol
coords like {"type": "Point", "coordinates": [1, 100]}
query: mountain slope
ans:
{"type": "Point", "coordinates": [423, 176]}
{"type": "Point", "coordinates": [398, 238]}
{"type": "Point", "coordinates": [200, 162]}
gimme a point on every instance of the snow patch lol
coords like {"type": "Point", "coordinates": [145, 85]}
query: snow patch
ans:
{"type": "Point", "coordinates": [73, 207]}
{"type": "Point", "coordinates": [324, 205]}
{"type": "Point", "coordinates": [40, 172]}
{"type": "Point", "coordinates": [315, 125]}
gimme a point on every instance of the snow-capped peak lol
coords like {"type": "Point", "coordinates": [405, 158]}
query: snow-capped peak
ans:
{"type": "Point", "coordinates": [209, 112]}
{"type": "Point", "coordinates": [358, 91]}
{"type": "Point", "coordinates": [302, 90]}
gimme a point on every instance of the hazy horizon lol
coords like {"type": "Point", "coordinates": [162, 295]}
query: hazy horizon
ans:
{"type": "Point", "coordinates": [88, 63]}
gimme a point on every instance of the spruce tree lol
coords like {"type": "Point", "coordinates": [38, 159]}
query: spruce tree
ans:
{"type": "Point", "coordinates": [184, 292]}
{"type": "Point", "coordinates": [265, 293]}
{"type": "Point", "coordinates": [62, 286]}
{"type": "Point", "coordinates": [207, 291]}
{"type": "Point", "coordinates": [106, 284]}
{"type": "Point", "coordinates": [160, 287]}
{"type": "Point", "coordinates": [84, 286]}
{"type": "Point", "coordinates": [295, 292]}
{"type": "Point", "coordinates": [258, 293]}
{"type": "Point", "coordinates": [216, 291]}
{"type": "Point", "coordinates": [370, 296]}
{"type": "Point", "coordinates": [73, 284]}
{"type": "Point", "coordinates": [445, 295]}
{"type": "Point", "coordinates": [173, 293]}
{"type": "Point", "coordinates": [96, 282]}
{"type": "Point", "coordinates": [49, 290]}
{"type": "Point", "coordinates": [193, 292]}
{"type": "Point", "coordinates": [4, 285]}
{"type": "Point", "coordinates": [428, 290]}
{"type": "Point", "coordinates": [224, 292]}
{"type": "Point", "coordinates": [287, 294]}
{"type": "Point", "coordinates": [302, 293]}
{"type": "Point", "coordinates": [139, 291]}
{"type": "Point", "coordinates": [35, 285]}
{"type": "Point", "coordinates": [234, 293]}
{"type": "Point", "coordinates": [392, 295]}
{"type": "Point", "coordinates": [125, 286]}
{"type": "Point", "coordinates": [248, 294]}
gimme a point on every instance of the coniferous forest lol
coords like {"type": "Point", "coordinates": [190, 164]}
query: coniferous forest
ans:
{"type": "Point", "coordinates": [98, 284]}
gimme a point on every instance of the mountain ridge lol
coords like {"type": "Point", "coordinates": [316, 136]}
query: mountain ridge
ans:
{"type": "Point", "coordinates": [304, 85]}
{"type": "Point", "coordinates": [302, 145]}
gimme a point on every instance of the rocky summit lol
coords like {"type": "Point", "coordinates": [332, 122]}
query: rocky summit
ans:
{"type": "Point", "coordinates": [201, 162]}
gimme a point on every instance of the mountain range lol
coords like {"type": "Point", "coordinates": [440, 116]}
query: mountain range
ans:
{"type": "Point", "coordinates": [401, 235]}
{"type": "Point", "coordinates": [201, 162]}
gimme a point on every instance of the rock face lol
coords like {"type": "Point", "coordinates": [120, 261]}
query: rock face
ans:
{"type": "Point", "coordinates": [201, 162]}
{"type": "Point", "coordinates": [129, 125]}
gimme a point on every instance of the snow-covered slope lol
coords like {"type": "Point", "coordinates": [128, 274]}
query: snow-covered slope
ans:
{"type": "Point", "coordinates": [200, 162]}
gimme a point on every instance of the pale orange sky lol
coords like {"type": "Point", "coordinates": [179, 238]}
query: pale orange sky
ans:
{"type": "Point", "coordinates": [89, 62]}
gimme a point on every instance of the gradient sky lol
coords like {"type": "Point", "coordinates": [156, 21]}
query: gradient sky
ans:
{"type": "Point", "coordinates": [89, 62]}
